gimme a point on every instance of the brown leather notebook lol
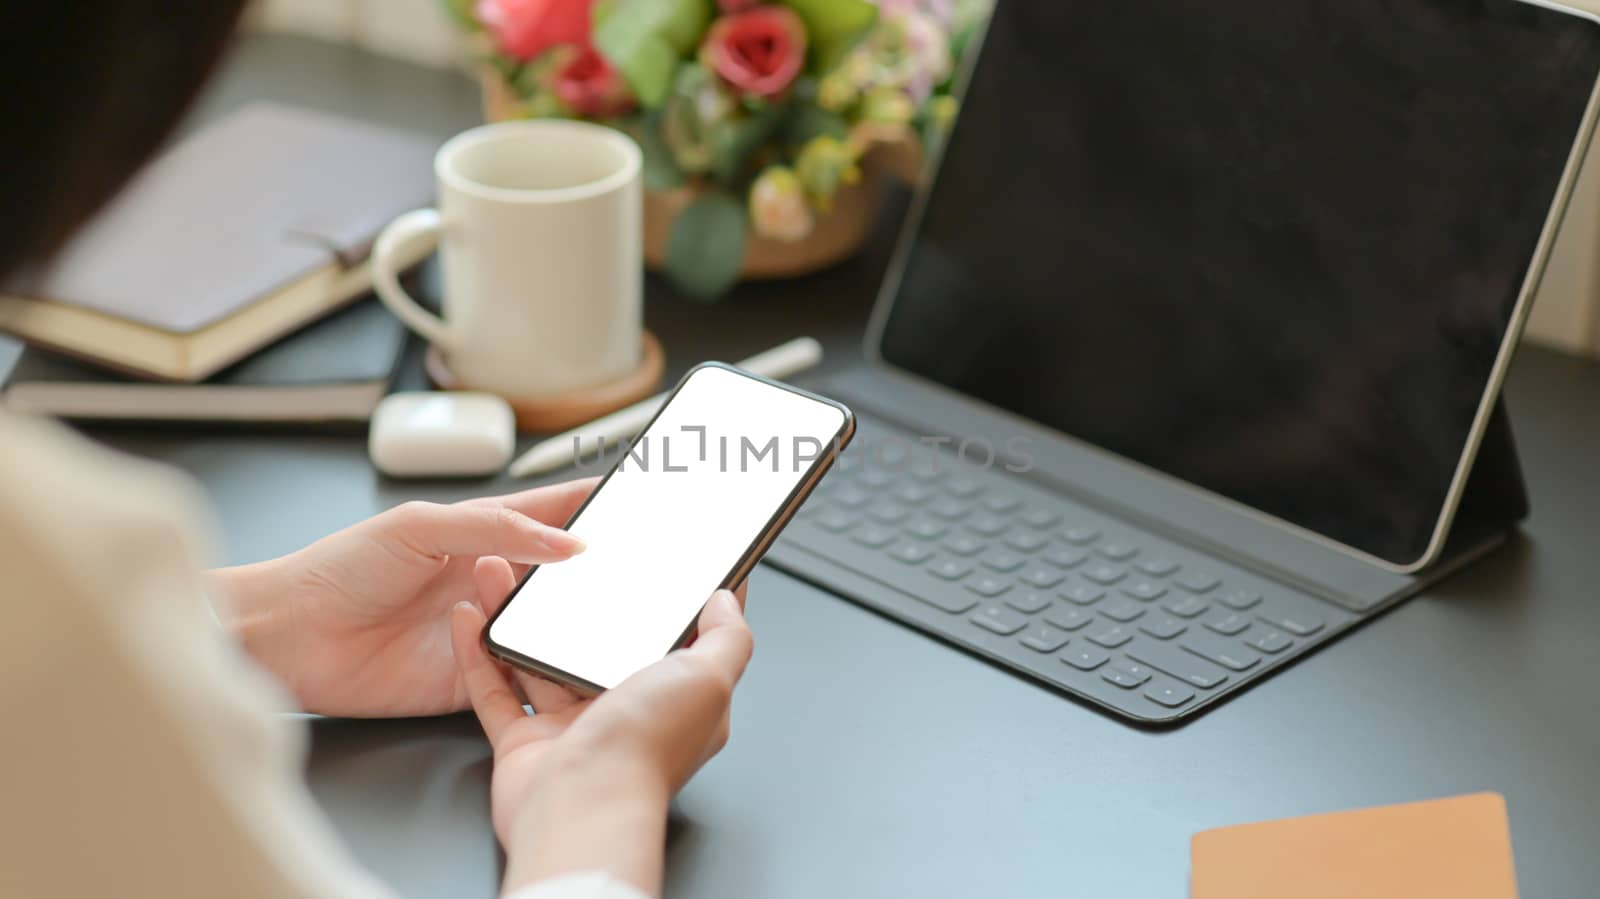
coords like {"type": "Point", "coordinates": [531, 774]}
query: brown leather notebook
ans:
{"type": "Point", "coordinates": [1458, 848]}
{"type": "Point", "coordinates": [236, 236]}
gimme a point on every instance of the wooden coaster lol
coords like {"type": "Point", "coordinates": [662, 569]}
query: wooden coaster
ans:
{"type": "Point", "coordinates": [551, 414]}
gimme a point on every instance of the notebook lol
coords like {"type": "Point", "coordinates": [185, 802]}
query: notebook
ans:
{"type": "Point", "coordinates": [234, 237]}
{"type": "Point", "coordinates": [331, 373]}
{"type": "Point", "coordinates": [1457, 848]}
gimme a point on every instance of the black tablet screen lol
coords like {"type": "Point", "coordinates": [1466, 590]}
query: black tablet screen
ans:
{"type": "Point", "coordinates": [1271, 249]}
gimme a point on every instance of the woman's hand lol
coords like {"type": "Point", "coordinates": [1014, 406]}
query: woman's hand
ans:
{"type": "Point", "coordinates": [358, 623]}
{"type": "Point", "coordinates": [583, 784]}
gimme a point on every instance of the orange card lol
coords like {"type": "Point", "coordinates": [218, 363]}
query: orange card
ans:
{"type": "Point", "coordinates": [1458, 848]}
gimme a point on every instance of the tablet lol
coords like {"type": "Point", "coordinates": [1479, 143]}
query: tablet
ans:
{"type": "Point", "coordinates": [1279, 252]}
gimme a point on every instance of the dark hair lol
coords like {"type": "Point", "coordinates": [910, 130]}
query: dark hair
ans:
{"type": "Point", "coordinates": [90, 89]}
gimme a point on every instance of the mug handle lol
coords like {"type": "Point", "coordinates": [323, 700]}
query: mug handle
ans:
{"type": "Point", "coordinates": [397, 235]}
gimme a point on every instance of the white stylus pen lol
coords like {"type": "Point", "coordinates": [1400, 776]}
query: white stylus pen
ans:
{"type": "Point", "coordinates": [558, 452]}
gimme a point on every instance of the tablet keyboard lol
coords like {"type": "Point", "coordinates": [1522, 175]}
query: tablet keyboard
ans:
{"type": "Point", "coordinates": [1063, 593]}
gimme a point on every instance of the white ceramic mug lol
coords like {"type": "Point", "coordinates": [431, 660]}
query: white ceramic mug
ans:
{"type": "Point", "coordinates": [538, 225]}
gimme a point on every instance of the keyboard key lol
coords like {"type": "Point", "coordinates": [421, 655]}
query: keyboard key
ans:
{"type": "Point", "coordinates": [911, 553]}
{"type": "Point", "coordinates": [1297, 623]}
{"type": "Point", "coordinates": [926, 470]}
{"type": "Point", "coordinates": [1169, 696]}
{"type": "Point", "coordinates": [1111, 636]}
{"type": "Point", "coordinates": [1171, 660]}
{"type": "Point", "coordinates": [1227, 653]}
{"type": "Point", "coordinates": [1101, 573]}
{"type": "Point", "coordinates": [964, 545]}
{"type": "Point", "coordinates": [964, 488]}
{"type": "Point", "coordinates": [1039, 518]}
{"type": "Point", "coordinates": [954, 602]}
{"type": "Point", "coordinates": [986, 585]}
{"type": "Point", "coordinates": [987, 525]}
{"type": "Point", "coordinates": [1043, 578]}
{"type": "Point", "coordinates": [1119, 552]}
{"type": "Point", "coordinates": [1163, 627]}
{"type": "Point", "coordinates": [1082, 534]}
{"type": "Point", "coordinates": [999, 619]}
{"type": "Point", "coordinates": [1157, 567]}
{"type": "Point", "coordinates": [1122, 609]}
{"type": "Point", "coordinates": [836, 520]}
{"type": "Point", "coordinates": [851, 497]}
{"type": "Point", "coordinates": [1229, 624]}
{"type": "Point", "coordinates": [1271, 642]}
{"type": "Point", "coordinates": [1067, 617]}
{"type": "Point", "coordinates": [1145, 590]}
{"type": "Point", "coordinates": [1029, 601]}
{"type": "Point", "coordinates": [1001, 502]}
{"type": "Point", "coordinates": [1085, 658]}
{"type": "Point", "coordinates": [1065, 557]}
{"type": "Point", "coordinates": [1240, 600]}
{"type": "Point", "coordinates": [888, 513]}
{"type": "Point", "coordinates": [892, 455]}
{"type": "Point", "coordinates": [875, 536]}
{"type": "Point", "coordinates": [1198, 582]}
{"type": "Point", "coordinates": [1002, 560]}
{"type": "Point", "coordinates": [1126, 674]}
{"type": "Point", "coordinates": [950, 509]}
{"type": "Point", "coordinates": [874, 479]}
{"type": "Point", "coordinates": [1083, 594]}
{"type": "Point", "coordinates": [912, 494]}
{"type": "Point", "coordinates": [926, 529]}
{"type": "Point", "coordinates": [1044, 638]}
{"type": "Point", "coordinates": [950, 569]}
{"type": "Point", "coordinates": [1186, 606]}
{"type": "Point", "coordinates": [1026, 541]}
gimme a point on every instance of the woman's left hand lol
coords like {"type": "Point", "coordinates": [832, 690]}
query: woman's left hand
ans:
{"type": "Point", "coordinates": [358, 623]}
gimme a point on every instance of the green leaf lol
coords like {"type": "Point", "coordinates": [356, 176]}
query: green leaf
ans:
{"type": "Point", "coordinates": [707, 245]}
{"type": "Point", "coordinates": [733, 140]}
{"type": "Point", "coordinates": [645, 40]}
{"type": "Point", "coordinates": [661, 171]}
{"type": "Point", "coordinates": [807, 121]}
{"type": "Point", "coordinates": [834, 26]}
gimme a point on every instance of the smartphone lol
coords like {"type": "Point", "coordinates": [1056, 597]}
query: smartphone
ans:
{"type": "Point", "coordinates": [689, 508]}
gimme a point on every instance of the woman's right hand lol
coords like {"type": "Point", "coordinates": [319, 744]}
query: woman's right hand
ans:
{"type": "Point", "coordinates": [583, 784]}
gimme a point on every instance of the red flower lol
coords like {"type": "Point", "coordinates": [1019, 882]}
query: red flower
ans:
{"type": "Point", "coordinates": [591, 86]}
{"type": "Point", "coordinates": [758, 51]}
{"type": "Point", "coordinates": [526, 28]}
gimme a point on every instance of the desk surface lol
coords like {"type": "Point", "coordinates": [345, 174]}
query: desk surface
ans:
{"type": "Point", "coordinates": [870, 761]}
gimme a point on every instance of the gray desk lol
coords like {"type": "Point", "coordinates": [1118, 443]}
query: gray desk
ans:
{"type": "Point", "coordinates": [870, 761]}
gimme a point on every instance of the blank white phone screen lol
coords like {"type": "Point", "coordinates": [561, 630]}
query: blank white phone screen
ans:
{"type": "Point", "coordinates": [671, 523]}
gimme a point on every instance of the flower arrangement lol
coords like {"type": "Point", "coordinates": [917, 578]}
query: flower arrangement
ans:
{"type": "Point", "coordinates": [757, 118]}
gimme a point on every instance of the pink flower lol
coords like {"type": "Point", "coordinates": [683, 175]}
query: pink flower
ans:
{"type": "Point", "coordinates": [591, 86]}
{"type": "Point", "coordinates": [526, 28]}
{"type": "Point", "coordinates": [942, 10]}
{"type": "Point", "coordinates": [758, 51]}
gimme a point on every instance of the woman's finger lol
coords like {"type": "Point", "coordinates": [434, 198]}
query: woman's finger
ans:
{"type": "Point", "coordinates": [478, 529]}
{"type": "Point", "coordinates": [724, 638]}
{"type": "Point", "coordinates": [496, 705]}
{"type": "Point", "coordinates": [493, 581]}
{"type": "Point", "coordinates": [552, 504]}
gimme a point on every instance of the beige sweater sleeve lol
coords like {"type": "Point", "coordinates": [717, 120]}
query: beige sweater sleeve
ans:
{"type": "Point", "coordinates": [140, 753]}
